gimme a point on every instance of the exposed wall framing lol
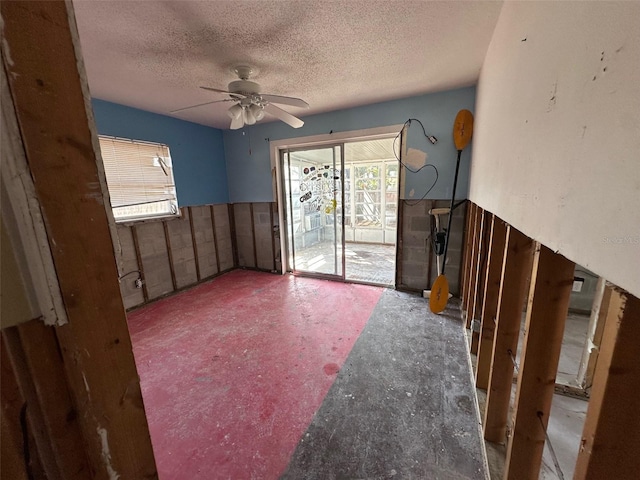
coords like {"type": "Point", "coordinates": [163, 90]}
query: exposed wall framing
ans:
{"type": "Point", "coordinates": [548, 304]}
{"type": "Point", "coordinates": [611, 436]}
{"type": "Point", "coordinates": [86, 418]}
{"type": "Point", "coordinates": [495, 257]}
{"type": "Point", "coordinates": [514, 265]}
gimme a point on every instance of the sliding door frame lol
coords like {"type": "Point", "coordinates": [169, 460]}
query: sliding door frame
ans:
{"type": "Point", "coordinates": [277, 176]}
{"type": "Point", "coordinates": [289, 214]}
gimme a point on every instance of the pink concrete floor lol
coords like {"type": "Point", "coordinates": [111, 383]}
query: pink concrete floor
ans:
{"type": "Point", "coordinates": [232, 371]}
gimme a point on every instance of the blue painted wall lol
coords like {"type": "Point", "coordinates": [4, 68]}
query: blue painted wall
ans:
{"type": "Point", "coordinates": [249, 164]}
{"type": "Point", "coordinates": [197, 151]}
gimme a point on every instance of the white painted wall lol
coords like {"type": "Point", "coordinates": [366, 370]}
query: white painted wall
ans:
{"type": "Point", "coordinates": [556, 149]}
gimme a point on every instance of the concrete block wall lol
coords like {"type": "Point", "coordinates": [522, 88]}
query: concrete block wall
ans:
{"type": "Point", "coordinates": [154, 259]}
{"type": "Point", "coordinates": [182, 249]}
{"type": "Point", "coordinates": [206, 245]}
{"type": "Point", "coordinates": [415, 238]}
{"type": "Point", "coordinates": [256, 236]}
{"type": "Point", "coordinates": [263, 228]}
{"type": "Point", "coordinates": [168, 260]}
{"type": "Point", "coordinates": [224, 240]}
{"type": "Point", "coordinates": [244, 234]}
{"type": "Point", "coordinates": [128, 266]}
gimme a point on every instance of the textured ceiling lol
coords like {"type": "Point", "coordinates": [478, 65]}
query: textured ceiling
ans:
{"type": "Point", "coordinates": [333, 54]}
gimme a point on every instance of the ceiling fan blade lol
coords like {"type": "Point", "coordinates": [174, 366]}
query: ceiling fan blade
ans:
{"type": "Point", "coordinates": [237, 123]}
{"type": "Point", "coordinates": [232, 94]}
{"type": "Point", "coordinates": [215, 90]}
{"type": "Point", "coordinates": [294, 102]}
{"type": "Point", "coordinates": [201, 105]}
{"type": "Point", "coordinates": [286, 117]}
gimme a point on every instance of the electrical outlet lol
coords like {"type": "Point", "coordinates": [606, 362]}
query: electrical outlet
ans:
{"type": "Point", "coordinates": [577, 284]}
{"type": "Point", "coordinates": [138, 283]}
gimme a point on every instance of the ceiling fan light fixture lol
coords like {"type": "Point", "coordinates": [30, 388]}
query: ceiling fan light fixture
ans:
{"type": "Point", "coordinates": [234, 112]}
{"type": "Point", "coordinates": [250, 106]}
{"type": "Point", "coordinates": [249, 117]}
{"type": "Point", "coordinates": [257, 111]}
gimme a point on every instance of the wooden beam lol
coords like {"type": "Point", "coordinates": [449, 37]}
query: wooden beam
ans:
{"type": "Point", "coordinates": [464, 276]}
{"type": "Point", "coordinates": [469, 254]}
{"type": "Point", "coordinates": [549, 294]}
{"type": "Point", "coordinates": [610, 446]}
{"type": "Point", "coordinates": [51, 99]}
{"type": "Point", "coordinates": [597, 321]}
{"type": "Point", "coordinates": [482, 273]}
{"type": "Point", "coordinates": [215, 237]}
{"type": "Point", "coordinates": [516, 267]}
{"type": "Point", "coordinates": [194, 243]}
{"type": "Point", "coordinates": [35, 355]}
{"type": "Point", "coordinates": [495, 256]}
{"type": "Point", "coordinates": [172, 268]}
{"type": "Point", "coordinates": [471, 273]}
{"type": "Point", "coordinates": [15, 456]}
{"type": "Point", "coordinates": [475, 266]}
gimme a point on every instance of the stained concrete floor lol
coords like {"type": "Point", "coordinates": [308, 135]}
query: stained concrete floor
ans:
{"type": "Point", "coordinates": [364, 262]}
{"type": "Point", "coordinates": [255, 375]}
{"type": "Point", "coordinates": [402, 405]}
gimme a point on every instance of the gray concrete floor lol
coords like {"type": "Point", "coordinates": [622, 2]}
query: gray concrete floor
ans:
{"type": "Point", "coordinates": [402, 405]}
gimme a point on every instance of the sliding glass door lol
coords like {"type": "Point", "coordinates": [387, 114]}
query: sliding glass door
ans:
{"type": "Point", "coordinates": [314, 195]}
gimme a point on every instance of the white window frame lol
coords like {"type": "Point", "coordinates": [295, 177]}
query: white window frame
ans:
{"type": "Point", "coordinates": [133, 196]}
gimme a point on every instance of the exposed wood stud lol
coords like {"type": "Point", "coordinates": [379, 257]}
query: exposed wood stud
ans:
{"type": "Point", "coordinates": [13, 403]}
{"type": "Point", "coordinates": [474, 266]}
{"type": "Point", "coordinates": [194, 243]}
{"type": "Point", "coordinates": [469, 274]}
{"type": "Point", "coordinates": [594, 332]}
{"type": "Point", "coordinates": [464, 273]}
{"type": "Point", "coordinates": [167, 241]}
{"type": "Point", "coordinates": [37, 423]}
{"type": "Point", "coordinates": [273, 235]}
{"type": "Point", "coordinates": [136, 247]}
{"type": "Point", "coordinates": [550, 291]}
{"type": "Point", "coordinates": [516, 267]}
{"type": "Point", "coordinates": [36, 348]}
{"type": "Point", "coordinates": [232, 233]}
{"type": "Point", "coordinates": [215, 237]}
{"type": "Point", "coordinates": [495, 256]}
{"type": "Point", "coordinates": [253, 236]}
{"type": "Point", "coordinates": [51, 98]}
{"type": "Point", "coordinates": [610, 443]}
{"type": "Point", "coordinates": [477, 265]}
{"type": "Point", "coordinates": [482, 273]}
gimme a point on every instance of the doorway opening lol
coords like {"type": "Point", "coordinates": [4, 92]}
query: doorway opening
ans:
{"type": "Point", "coordinates": [341, 210]}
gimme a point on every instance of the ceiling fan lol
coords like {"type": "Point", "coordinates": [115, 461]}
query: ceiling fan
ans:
{"type": "Point", "coordinates": [250, 105]}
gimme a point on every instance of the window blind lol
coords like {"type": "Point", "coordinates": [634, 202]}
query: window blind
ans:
{"type": "Point", "coordinates": [139, 178]}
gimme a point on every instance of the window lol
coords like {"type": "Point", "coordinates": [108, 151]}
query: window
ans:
{"type": "Point", "coordinates": [140, 179]}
